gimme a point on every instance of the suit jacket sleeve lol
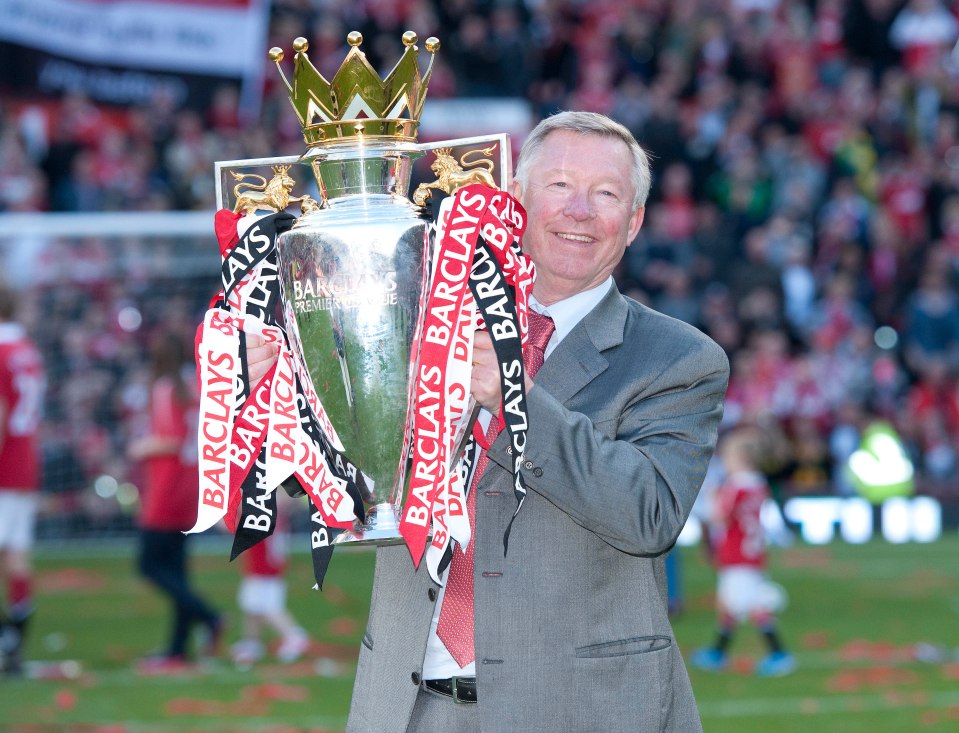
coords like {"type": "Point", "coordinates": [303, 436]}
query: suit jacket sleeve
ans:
{"type": "Point", "coordinates": [625, 457]}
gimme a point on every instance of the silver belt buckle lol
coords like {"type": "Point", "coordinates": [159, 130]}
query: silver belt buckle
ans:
{"type": "Point", "coordinates": [455, 690]}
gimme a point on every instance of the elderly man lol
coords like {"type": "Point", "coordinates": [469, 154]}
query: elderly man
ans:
{"type": "Point", "coordinates": [569, 628]}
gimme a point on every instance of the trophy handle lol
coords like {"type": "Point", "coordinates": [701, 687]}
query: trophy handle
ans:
{"type": "Point", "coordinates": [486, 159]}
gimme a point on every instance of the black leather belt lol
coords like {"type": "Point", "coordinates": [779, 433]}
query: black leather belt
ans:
{"type": "Point", "coordinates": [461, 689]}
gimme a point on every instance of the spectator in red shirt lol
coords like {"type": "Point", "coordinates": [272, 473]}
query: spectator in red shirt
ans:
{"type": "Point", "coordinates": [739, 551]}
{"type": "Point", "coordinates": [22, 385]}
{"type": "Point", "coordinates": [170, 503]}
{"type": "Point", "coordinates": [930, 417]}
{"type": "Point", "coordinates": [923, 31]}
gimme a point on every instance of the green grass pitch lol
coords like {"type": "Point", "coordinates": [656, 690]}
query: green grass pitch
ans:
{"type": "Point", "coordinates": [857, 616]}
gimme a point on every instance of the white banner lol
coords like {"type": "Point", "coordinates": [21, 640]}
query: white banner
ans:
{"type": "Point", "coordinates": [212, 37]}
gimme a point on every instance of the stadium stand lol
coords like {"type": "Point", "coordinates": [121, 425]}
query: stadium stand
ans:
{"type": "Point", "coordinates": [804, 214]}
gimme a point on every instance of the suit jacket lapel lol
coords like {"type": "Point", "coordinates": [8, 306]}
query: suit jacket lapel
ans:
{"type": "Point", "coordinates": [579, 359]}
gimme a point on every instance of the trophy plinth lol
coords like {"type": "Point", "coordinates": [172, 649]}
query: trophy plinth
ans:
{"type": "Point", "coordinates": [382, 527]}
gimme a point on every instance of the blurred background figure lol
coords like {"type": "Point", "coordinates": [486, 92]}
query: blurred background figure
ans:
{"type": "Point", "coordinates": [674, 583]}
{"type": "Point", "coordinates": [169, 506]}
{"type": "Point", "coordinates": [738, 543]}
{"type": "Point", "coordinates": [262, 598]}
{"type": "Point", "coordinates": [22, 385]}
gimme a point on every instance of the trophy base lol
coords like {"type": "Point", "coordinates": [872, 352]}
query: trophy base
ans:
{"type": "Point", "coordinates": [382, 527]}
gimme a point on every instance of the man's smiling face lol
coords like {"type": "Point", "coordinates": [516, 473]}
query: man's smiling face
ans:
{"type": "Point", "coordinates": [579, 203]}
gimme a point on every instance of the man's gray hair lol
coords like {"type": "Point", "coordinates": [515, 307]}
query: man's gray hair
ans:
{"type": "Point", "coordinates": [587, 123]}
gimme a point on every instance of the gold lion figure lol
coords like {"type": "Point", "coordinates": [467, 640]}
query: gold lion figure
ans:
{"type": "Point", "coordinates": [451, 175]}
{"type": "Point", "coordinates": [273, 194]}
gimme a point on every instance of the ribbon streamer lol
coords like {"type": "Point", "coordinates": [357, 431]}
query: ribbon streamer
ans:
{"type": "Point", "coordinates": [252, 441]}
{"type": "Point", "coordinates": [480, 277]}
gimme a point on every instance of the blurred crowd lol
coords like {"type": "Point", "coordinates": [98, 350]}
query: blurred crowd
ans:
{"type": "Point", "coordinates": [92, 312]}
{"type": "Point", "coordinates": [804, 211]}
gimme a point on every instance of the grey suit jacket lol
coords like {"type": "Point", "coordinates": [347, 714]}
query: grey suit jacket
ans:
{"type": "Point", "coordinates": [571, 630]}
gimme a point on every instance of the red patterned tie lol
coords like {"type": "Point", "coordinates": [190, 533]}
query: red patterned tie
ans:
{"type": "Point", "coordinates": [455, 626]}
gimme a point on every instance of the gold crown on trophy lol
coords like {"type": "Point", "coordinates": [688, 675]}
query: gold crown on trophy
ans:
{"type": "Point", "coordinates": [357, 103]}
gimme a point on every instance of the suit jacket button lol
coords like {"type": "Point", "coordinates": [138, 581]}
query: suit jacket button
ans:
{"type": "Point", "coordinates": [431, 594]}
{"type": "Point", "coordinates": [528, 465]}
{"type": "Point", "coordinates": [416, 678]}
{"type": "Point", "coordinates": [537, 472]}
{"type": "Point", "coordinates": [509, 450]}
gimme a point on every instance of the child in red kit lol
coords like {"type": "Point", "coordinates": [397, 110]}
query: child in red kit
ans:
{"type": "Point", "coordinates": [262, 599]}
{"type": "Point", "coordinates": [739, 551]}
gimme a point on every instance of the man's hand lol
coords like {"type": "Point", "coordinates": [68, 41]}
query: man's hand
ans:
{"type": "Point", "coordinates": [260, 357]}
{"type": "Point", "coordinates": [484, 382]}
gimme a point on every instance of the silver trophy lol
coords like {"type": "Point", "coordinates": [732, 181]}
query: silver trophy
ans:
{"type": "Point", "coordinates": [354, 268]}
